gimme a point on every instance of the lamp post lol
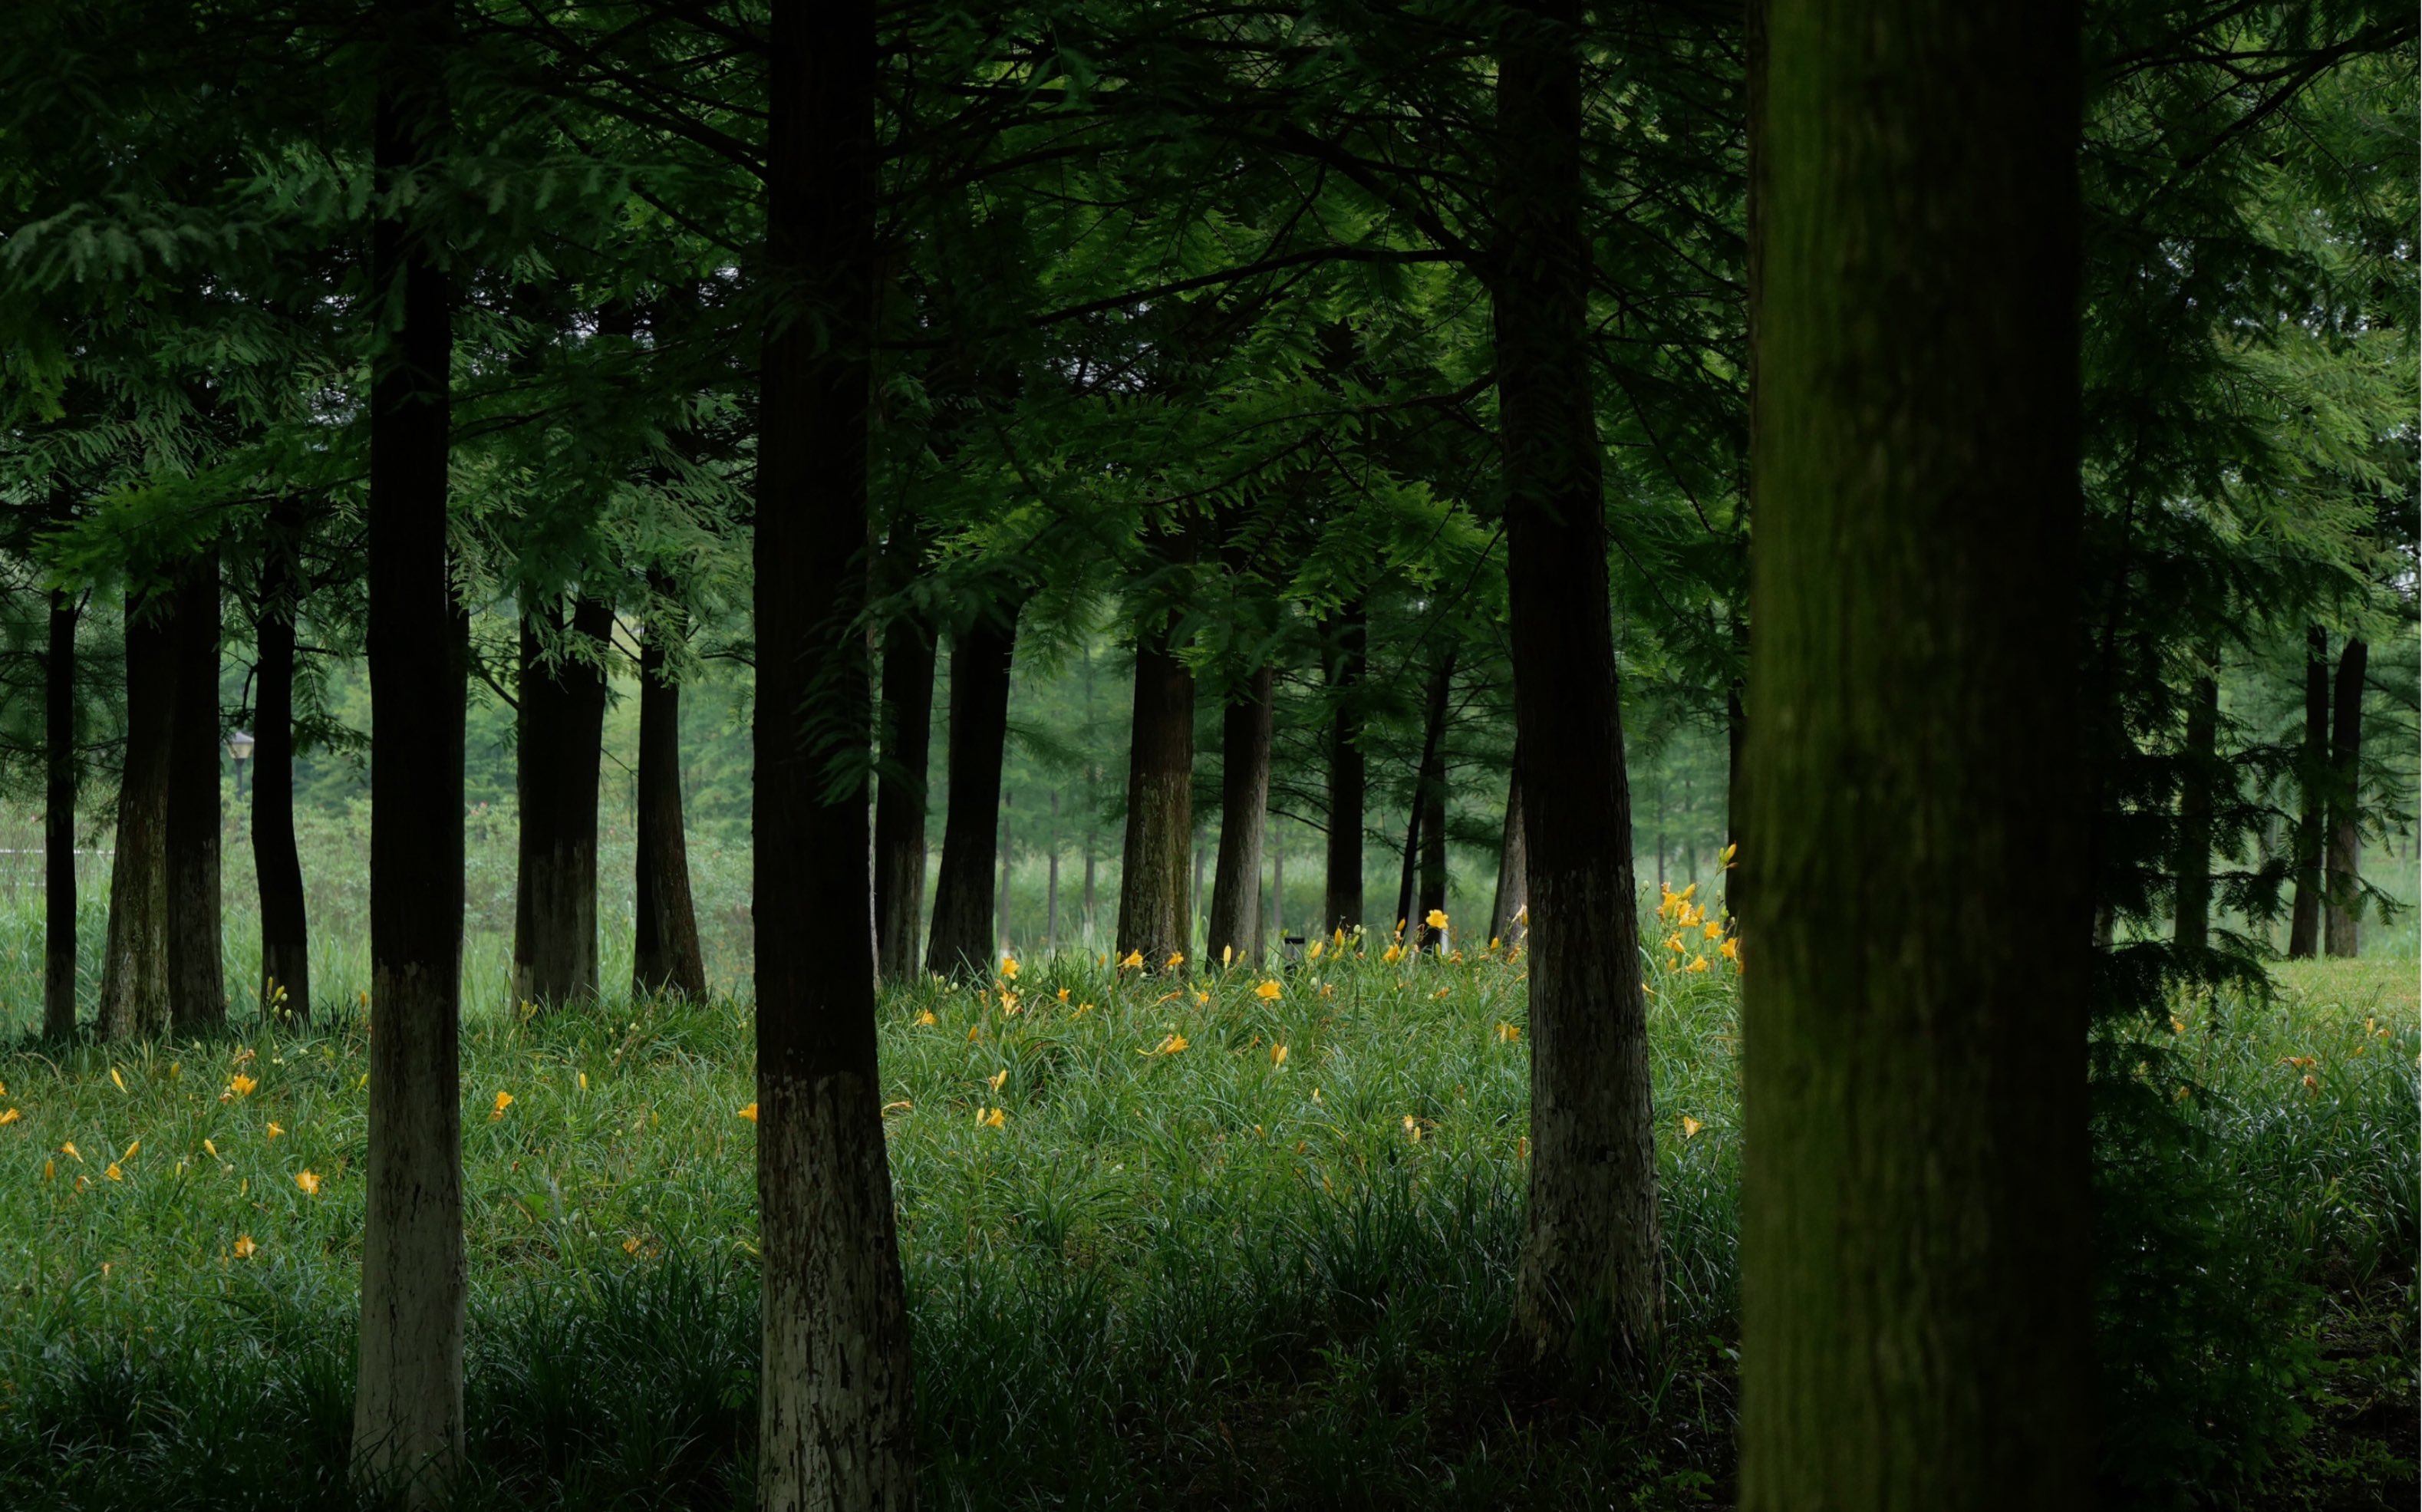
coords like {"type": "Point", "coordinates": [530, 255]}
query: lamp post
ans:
{"type": "Point", "coordinates": [239, 746]}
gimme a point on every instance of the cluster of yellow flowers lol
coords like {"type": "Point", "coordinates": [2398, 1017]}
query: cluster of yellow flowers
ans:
{"type": "Point", "coordinates": [1689, 919]}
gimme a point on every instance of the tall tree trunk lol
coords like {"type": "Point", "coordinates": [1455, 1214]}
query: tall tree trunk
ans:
{"type": "Point", "coordinates": [664, 955]}
{"type": "Point", "coordinates": [1433, 898]}
{"type": "Point", "coordinates": [1915, 1299]}
{"type": "Point", "coordinates": [61, 771]}
{"type": "Point", "coordinates": [285, 986]}
{"type": "Point", "coordinates": [1051, 883]}
{"type": "Point", "coordinates": [1342, 882]}
{"type": "Point", "coordinates": [135, 965]}
{"type": "Point", "coordinates": [1244, 810]}
{"type": "Point", "coordinates": [2192, 929]}
{"type": "Point", "coordinates": [961, 940]}
{"type": "Point", "coordinates": [1513, 873]}
{"type": "Point", "coordinates": [2312, 784]}
{"type": "Point", "coordinates": [408, 1401]}
{"type": "Point", "coordinates": [835, 1402]}
{"type": "Point", "coordinates": [1589, 1278]}
{"type": "Point", "coordinates": [197, 975]}
{"type": "Point", "coordinates": [1008, 801]}
{"type": "Point", "coordinates": [2342, 925]}
{"type": "Point", "coordinates": [1278, 891]}
{"type": "Point", "coordinates": [1155, 907]}
{"type": "Point", "coordinates": [1425, 829]}
{"type": "Point", "coordinates": [562, 720]}
{"type": "Point", "coordinates": [900, 795]}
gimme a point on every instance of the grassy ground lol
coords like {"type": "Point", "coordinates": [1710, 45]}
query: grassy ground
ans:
{"type": "Point", "coordinates": [1153, 1259]}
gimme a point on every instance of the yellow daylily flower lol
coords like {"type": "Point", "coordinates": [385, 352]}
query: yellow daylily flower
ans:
{"type": "Point", "coordinates": [114, 1076]}
{"type": "Point", "coordinates": [504, 1100]}
{"type": "Point", "coordinates": [1170, 1045]}
{"type": "Point", "coordinates": [241, 1085]}
{"type": "Point", "coordinates": [1436, 918]}
{"type": "Point", "coordinates": [1176, 959]}
{"type": "Point", "coordinates": [113, 1174]}
{"type": "Point", "coordinates": [308, 1181]}
{"type": "Point", "coordinates": [999, 1077]}
{"type": "Point", "coordinates": [1009, 967]}
{"type": "Point", "coordinates": [927, 1017]}
{"type": "Point", "coordinates": [989, 1117]}
{"type": "Point", "coordinates": [1278, 1055]}
{"type": "Point", "coordinates": [276, 1130]}
{"type": "Point", "coordinates": [1131, 958]}
{"type": "Point", "coordinates": [1508, 1033]}
{"type": "Point", "coordinates": [245, 1247]}
{"type": "Point", "coordinates": [1690, 1127]}
{"type": "Point", "coordinates": [749, 1113]}
{"type": "Point", "coordinates": [11, 1116]}
{"type": "Point", "coordinates": [1269, 991]}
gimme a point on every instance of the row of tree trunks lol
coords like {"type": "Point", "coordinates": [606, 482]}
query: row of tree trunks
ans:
{"type": "Point", "coordinates": [285, 986]}
{"type": "Point", "coordinates": [834, 1397]}
{"type": "Point", "coordinates": [1589, 1283]}
{"type": "Point", "coordinates": [61, 775]}
{"type": "Point", "coordinates": [964, 926]}
{"type": "Point", "coordinates": [664, 956]}
{"type": "Point", "coordinates": [196, 976]}
{"type": "Point", "coordinates": [1915, 1297]}
{"type": "Point", "coordinates": [561, 726]}
{"type": "Point", "coordinates": [1235, 926]}
{"type": "Point", "coordinates": [408, 1402]}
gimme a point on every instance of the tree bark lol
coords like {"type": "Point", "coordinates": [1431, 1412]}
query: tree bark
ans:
{"type": "Point", "coordinates": [1589, 1280]}
{"type": "Point", "coordinates": [1051, 883]}
{"type": "Point", "coordinates": [2193, 926]}
{"type": "Point", "coordinates": [1156, 906]}
{"type": "Point", "coordinates": [135, 965]}
{"type": "Point", "coordinates": [408, 1402]}
{"type": "Point", "coordinates": [1513, 873]}
{"type": "Point", "coordinates": [197, 975]}
{"type": "Point", "coordinates": [1000, 942]}
{"type": "Point", "coordinates": [285, 986]}
{"type": "Point", "coordinates": [1433, 895]}
{"type": "Point", "coordinates": [1915, 1297]}
{"type": "Point", "coordinates": [961, 940]}
{"type": "Point", "coordinates": [2312, 783]}
{"type": "Point", "coordinates": [835, 1399]}
{"type": "Point", "coordinates": [900, 796]}
{"type": "Point", "coordinates": [62, 769]}
{"type": "Point", "coordinates": [1243, 812]}
{"type": "Point", "coordinates": [562, 720]}
{"type": "Point", "coordinates": [1342, 885]}
{"type": "Point", "coordinates": [2342, 924]}
{"type": "Point", "coordinates": [1409, 862]}
{"type": "Point", "coordinates": [664, 955]}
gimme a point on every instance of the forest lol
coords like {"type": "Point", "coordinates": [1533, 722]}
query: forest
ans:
{"type": "Point", "coordinates": [1379, 753]}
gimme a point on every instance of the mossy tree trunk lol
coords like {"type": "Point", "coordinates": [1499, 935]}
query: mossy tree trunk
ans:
{"type": "Point", "coordinates": [961, 940]}
{"type": "Point", "coordinates": [62, 772]}
{"type": "Point", "coordinates": [2342, 922]}
{"type": "Point", "coordinates": [2191, 928]}
{"type": "Point", "coordinates": [2312, 792]}
{"type": "Point", "coordinates": [1589, 1286]}
{"type": "Point", "coordinates": [1342, 882]}
{"type": "Point", "coordinates": [285, 986]}
{"type": "Point", "coordinates": [197, 975]}
{"type": "Point", "coordinates": [665, 955]}
{"type": "Point", "coordinates": [562, 725]}
{"type": "Point", "coordinates": [1916, 1303]}
{"type": "Point", "coordinates": [1156, 902]}
{"type": "Point", "coordinates": [900, 798]}
{"type": "Point", "coordinates": [1235, 927]}
{"type": "Point", "coordinates": [135, 962]}
{"type": "Point", "coordinates": [408, 1399]}
{"type": "Point", "coordinates": [835, 1399]}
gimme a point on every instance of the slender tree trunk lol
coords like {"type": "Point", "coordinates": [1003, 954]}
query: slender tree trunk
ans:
{"type": "Point", "coordinates": [2312, 782]}
{"type": "Point", "coordinates": [61, 771]}
{"type": "Point", "coordinates": [1915, 1297]}
{"type": "Point", "coordinates": [408, 1401]}
{"type": "Point", "coordinates": [964, 904]}
{"type": "Point", "coordinates": [1155, 907]}
{"type": "Point", "coordinates": [1513, 873]}
{"type": "Point", "coordinates": [1278, 891]}
{"type": "Point", "coordinates": [835, 1401]}
{"type": "Point", "coordinates": [1008, 801]}
{"type": "Point", "coordinates": [2343, 924]}
{"type": "Point", "coordinates": [196, 976]}
{"type": "Point", "coordinates": [2193, 923]}
{"type": "Point", "coordinates": [562, 720]}
{"type": "Point", "coordinates": [1342, 885]}
{"type": "Point", "coordinates": [1051, 885]}
{"type": "Point", "coordinates": [1433, 898]}
{"type": "Point", "coordinates": [664, 955]}
{"type": "Point", "coordinates": [1426, 825]}
{"type": "Point", "coordinates": [1244, 809]}
{"type": "Point", "coordinates": [1589, 1278]}
{"type": "Point", "coordinates": [135, 966]}
{"type": "Point", "coordinates": [900, 795]}
{"type": "Point", "coordinates": [284, 986]}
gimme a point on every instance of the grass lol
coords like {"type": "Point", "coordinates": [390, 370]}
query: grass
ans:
{"type": "Point", "coordinates": [1205, 1276]}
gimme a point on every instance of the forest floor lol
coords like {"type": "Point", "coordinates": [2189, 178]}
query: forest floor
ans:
{"type": "Point", "coordinates": [1244, 1239]}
